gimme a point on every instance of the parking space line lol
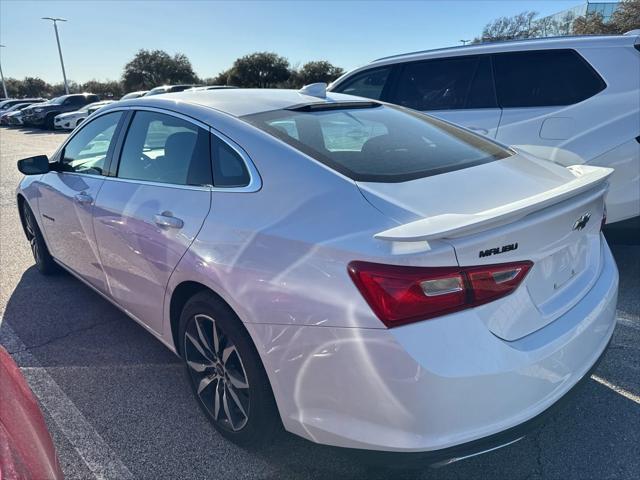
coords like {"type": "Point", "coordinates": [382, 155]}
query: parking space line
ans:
{"type": "Point", "coordinates": [99, 458]}
{"type": "Point", "coordinates": [628, 323]}
{"type": "Point", "coordinates": [617, 389]}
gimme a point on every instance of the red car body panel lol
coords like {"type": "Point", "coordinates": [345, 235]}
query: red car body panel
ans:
{"type": "Point", "coordinates": [26, 448]}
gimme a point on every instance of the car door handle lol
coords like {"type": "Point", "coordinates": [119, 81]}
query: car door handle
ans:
{"type": "Point", "coordinates": [166, 219]}
{"type": "Point", "coordinates": [83, 198]}
{"type": "Point", "coordinates": [481, 130]}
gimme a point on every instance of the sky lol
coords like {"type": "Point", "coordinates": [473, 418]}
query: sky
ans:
{"type": "Point", "coordinates": [100, 37]}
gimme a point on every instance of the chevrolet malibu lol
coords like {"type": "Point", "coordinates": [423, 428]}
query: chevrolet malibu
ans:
{"type": "Point", "coordinates": [361, 274]}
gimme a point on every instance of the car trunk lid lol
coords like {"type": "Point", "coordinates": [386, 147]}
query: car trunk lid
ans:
{"type": "Point", "coordinates": [507, 211]}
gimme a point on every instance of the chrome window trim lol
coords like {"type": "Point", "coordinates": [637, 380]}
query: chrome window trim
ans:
{"type": "Point", "coordinates": [255, 181]}
{"type": "Point", "coordinates": [206, 188]}
{"type": "Point", "coordinates": [170, 113]}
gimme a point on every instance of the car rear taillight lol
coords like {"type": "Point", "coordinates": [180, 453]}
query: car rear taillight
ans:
{"type": "Point", "coordinates": [400, 295]}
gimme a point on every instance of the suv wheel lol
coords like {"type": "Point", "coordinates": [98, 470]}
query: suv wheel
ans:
{"type": "Point", "coordinates": [48, 121]}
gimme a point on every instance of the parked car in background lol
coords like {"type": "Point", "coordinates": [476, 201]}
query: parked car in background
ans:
{"type": "Point", "coordinates": [26, 447]}
{"type": "Point", "coordinates": [14, 119]}
{"type": "Point", "coordinates": [44, 115]}
{"type": "Point", "coordinates": [5, 104]}
{"type": "Point", "coordinates": [130, 95]}
{"type": "Point", "coordinates": [168, 89]}
{"type": "Point", "coordinates": [567, 99]}
{"type": "Point", "coordinates": [70, 120]}
{"type": "Point", "coordinates": [4, 114]}
{"type": "Point", "coordinates": [365, 275]}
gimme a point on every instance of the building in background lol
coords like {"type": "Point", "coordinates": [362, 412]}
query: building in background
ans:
{"type": "Point", "coordinates": [561, 23]}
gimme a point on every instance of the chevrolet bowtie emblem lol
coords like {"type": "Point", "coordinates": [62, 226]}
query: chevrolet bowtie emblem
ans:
{"type": "Point", "coordinates": [582, 222]}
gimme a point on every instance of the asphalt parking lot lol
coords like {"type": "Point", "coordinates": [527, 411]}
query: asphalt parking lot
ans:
{"type": "Point", "coordinates": [119, 406]}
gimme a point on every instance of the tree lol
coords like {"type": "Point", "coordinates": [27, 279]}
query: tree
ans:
{"type": "Point", "coordinates": [592, 23]}
{"type": "Point", "coordinates": [627, 16]}
{"type": "Point", "coordinates": [33, 87]}
{"type": "Point", "coordinates": [260, 69]}
{"type": "Point", "coordinates": [106, 90]}
{"type": "Point", "coordinates": [151, 68]}
{"type": "Point", "coordinates": [521, 25]}
{"type": "Point", "coordinates": [57, 89]}
{"type": "Point", "coordinates": [13, 87]}
{"type": "Point", "coordinates": [317, 71]}
{"type": "Point", "coordinates": [221, 79]}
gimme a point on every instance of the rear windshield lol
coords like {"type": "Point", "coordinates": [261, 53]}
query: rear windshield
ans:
{"type": "Point", "coordinates": [379, 143]}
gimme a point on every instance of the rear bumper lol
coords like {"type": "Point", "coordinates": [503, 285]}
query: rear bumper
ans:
{"type": "Point", "coordinates": [446, 386]}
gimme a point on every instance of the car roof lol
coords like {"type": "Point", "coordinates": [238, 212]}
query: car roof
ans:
{"type": "Point", "coordinates": [567, 41]}
{"type": "Point", "coordinates": [242, 101]}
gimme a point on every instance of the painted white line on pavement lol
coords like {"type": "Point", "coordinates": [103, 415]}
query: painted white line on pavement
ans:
{"type": "Point", "coordinates": [92, 449]}
{"type": "Point", "coordinates": [617, 389]}
{"type": "Point", "coordinates": [628, 323]}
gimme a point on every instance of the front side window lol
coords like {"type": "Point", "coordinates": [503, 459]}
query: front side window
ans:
{"type": "Point", "coordinates": [441, 84]}
{"type": "Point", "coordinates": [74, 101]}
{"type": "Point", "coordinates": [162, 148]}
{"type": "Point", "coordinates": [369, 84]}
{"type": "Point", "coordinates": [87, 151]}
{"type": "Point", "coordinates": [379, 143]}
{"type": "Point", "coordinates": [544, 78]}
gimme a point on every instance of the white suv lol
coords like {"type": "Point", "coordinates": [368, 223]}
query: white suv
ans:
{"type": "Point", "coordinates": [568, 99]}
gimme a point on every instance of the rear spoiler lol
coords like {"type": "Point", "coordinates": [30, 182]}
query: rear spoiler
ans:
{"type": "Point", "coordinates": [451, 225]}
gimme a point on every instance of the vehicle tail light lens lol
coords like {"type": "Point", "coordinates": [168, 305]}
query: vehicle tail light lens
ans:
{"type": "Point", "coordinates": [400, 295]}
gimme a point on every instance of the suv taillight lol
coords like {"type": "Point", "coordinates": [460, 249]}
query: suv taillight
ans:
{"type": "Point", "coordinates": [399, 295]}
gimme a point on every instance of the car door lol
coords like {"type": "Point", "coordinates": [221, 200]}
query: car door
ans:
{"type": "Point", "coordinates": [540, 92]}
{"type": "Point", "coordinates": [456, 89]}
{"type": "Point", "coordinates": [68, 192]}
{"type": "Point", "coordinates": [150, 211]}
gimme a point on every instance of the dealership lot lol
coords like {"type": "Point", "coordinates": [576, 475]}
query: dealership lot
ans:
{"type": "Point", "coordinates": [118, 403]}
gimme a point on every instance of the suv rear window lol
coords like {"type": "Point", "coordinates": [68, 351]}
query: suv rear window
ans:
{"type": "Point", "coordinates": [379, 143]}
{"type": "Point", "coordinates": [544, 78]}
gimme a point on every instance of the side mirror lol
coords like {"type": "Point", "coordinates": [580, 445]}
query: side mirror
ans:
{"type": "Point", "coordinates": [34, 165]}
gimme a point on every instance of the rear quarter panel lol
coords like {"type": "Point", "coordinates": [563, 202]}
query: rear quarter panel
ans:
{"type": "Point", "coordinates": [280, 255]}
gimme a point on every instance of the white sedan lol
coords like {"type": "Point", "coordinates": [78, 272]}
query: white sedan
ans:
{"type": "Point", "coordinates": [70, 120]}
{"type": "Point", "coordinates": [361, 274]}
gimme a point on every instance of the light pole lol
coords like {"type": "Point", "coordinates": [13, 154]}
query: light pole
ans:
{"type": "Point", "coordinates": [55, 27]}
{"type": "Point", "coordinates": [464, 42]}
{"type": "Point", "coordinates": [4, 87]}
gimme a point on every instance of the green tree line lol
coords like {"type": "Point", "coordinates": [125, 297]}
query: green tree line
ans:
{"type": "Point", "coordinates": [152, 68]}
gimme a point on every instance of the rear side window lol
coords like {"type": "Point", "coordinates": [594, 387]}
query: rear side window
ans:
{"type": "Point", "coordinates": [165, 149]}
{"type": "Point", "coordinates": [369, 84]}
{"type": "Point", "coordinates": [379, 143]}
{"type": "Point", "coordinates": [229, 169]}
{"type": "Point", "coordinates": [482, 93]}
{"type": "Point", "coordinates": [441, 84]}
{"type": "Point", "coordinates": [544, 78]}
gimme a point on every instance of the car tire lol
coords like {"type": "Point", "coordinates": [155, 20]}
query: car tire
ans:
{"type": "Point", "coordinates": [48, 121]}
{"type": "Point", "coordinates": [44, 261]}
{"type": "Point", "coordinates": [229, 381]}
